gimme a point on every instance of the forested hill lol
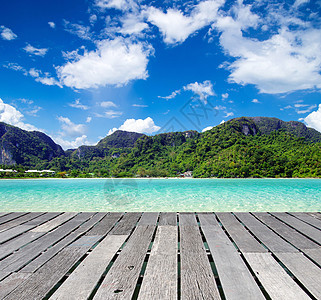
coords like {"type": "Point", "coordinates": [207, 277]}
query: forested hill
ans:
{"type": "Point", "coordinates": [241, 147]}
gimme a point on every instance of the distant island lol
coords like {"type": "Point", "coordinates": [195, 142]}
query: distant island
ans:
{"type": "Point", "coordinates": [240, 148]}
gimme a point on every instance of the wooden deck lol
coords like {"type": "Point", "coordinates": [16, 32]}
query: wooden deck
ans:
{"type": "Point", "coordinates": [160, 256]}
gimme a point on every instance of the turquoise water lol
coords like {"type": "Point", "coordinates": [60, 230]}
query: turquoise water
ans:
{"type": "Point", "coordinates": [161, 195]}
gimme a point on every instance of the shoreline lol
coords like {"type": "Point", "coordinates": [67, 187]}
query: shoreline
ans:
{"type": "Point", "coordinates": [162, 178]}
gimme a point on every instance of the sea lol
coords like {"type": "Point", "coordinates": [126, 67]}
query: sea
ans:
{"type": "Point", "coordinates": [172, 195]}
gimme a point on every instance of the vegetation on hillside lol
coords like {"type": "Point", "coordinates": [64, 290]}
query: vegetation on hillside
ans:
{"type": "Point", "coordinates": [243, 147]}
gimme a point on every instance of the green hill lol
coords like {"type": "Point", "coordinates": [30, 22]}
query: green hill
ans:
{"type": "Point", "coordinates": [26, 147]}
{"type": "Point", "coordinates": [241, 147]}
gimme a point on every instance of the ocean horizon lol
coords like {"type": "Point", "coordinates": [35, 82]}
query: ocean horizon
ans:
{"type": "Point", "coordinates": [160, 194]}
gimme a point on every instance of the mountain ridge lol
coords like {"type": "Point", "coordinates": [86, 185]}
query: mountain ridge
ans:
{"type": "Point", "coordinates": [240, 147]}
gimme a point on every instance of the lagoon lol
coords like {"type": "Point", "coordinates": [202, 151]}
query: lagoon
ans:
{"type": "Point", "coordinates": [160, 195]}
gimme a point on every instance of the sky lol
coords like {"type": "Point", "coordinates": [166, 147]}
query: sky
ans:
{"type": "Point", "coordinates": [80, 70]}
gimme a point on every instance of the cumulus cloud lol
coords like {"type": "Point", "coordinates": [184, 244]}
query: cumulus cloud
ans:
{"type": "Point", "coordinates": [207, 128]}
{"type": "Point", "coordinates": [203, 90]}
{"type": "Point", "coordinates": [71, 144]}
{"type": "Point", "coordinates": [35, 51]}
{"type": "Point", "coordinates": [288, 60]}
{"type": "Point", "coordinates": [43, 78]}
{"type": "Point", "coordinates": [177, 27]}
{"type": "Point", "coordinates": [7, 34]}
{"type": "Point", "coordinates": [123, 5]}
{"type": "Point", "coordinates": [114, 62]}
{"type": "Point", "coordinates": [132, 24]}
{"type": "Point", "coordinates": [88, 120]}
{"type": "Point", "coordinates": [255, 101]}
{"type": "Point", "coordinates": [141, 126]}
{"type": "Point", "coordinates": [77, 104]}
{"type": "Point", "coordinates": [71, 129]}
{"type": "Point", "coordinates": [52, 24]}
{"type": "Point", "coordinates": [10, 115]}
{"type": "Point", "coordinates": [313, 120]}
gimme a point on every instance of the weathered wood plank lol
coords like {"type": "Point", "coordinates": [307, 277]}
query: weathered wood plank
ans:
{"type": "Point", "coordinates": [243, 239]}
{"type": "Point", "coordinates": [43, 218]}
{"type": "Point", "coordinates": [148, 218]}
{"type": "Point", "coordinates": [105, 225]}
{"type": "Point", "coordinates": [160, 278]}
{"type": "Point", "coordinates": [314, 254]}
{"type": "Point", "coordinates": [49, 253]}
{"type": "Point", "coordinates": [167, 218]}
{"type": "Point", "coordinates": [270, 239]}
{"type": "Point", "coordinates": [304, 270]}
{"type": "Point", "coordinates": [126, 224]}
{"type": "Point", "coordinates": [11, 216]}
{"type": "Point", "coordinates": [20, 220]}
{"type": "Point", "coordinates": [288, 233]}
{"type": "Point", "coordinates": [235, 277]}
{"type": "Point", "coordinates": [43, 280]}
{"type": "Point", "coordinates": [83, 280]}
{"type": "Point", "coordinates": [13, 232]}
{"type": "Point", "coordinates": [197, 278]}
{"type": "Point", "coordinates": [311, 232]}
{"type": "Point", "coordinates": [3, 214]}
{"type": "Point", "coordinates": [18, 259]}
{"type": "Point", "coordinates": [277, 283]}
{"type": "Point", "coordinates": [16, 243]}
{"type": "Point", "coordinates": [25, 238]}
{"type": "Point", "coordinates": [308, 218]}
{"type": "Point", "coordinates": [11, 282]}
{"type": "Point", "coordinates": [55, 222]}
{"type": "Point", "coordinates": [120, 281]}
{"type": "Point", "coordinates": [187, 219]}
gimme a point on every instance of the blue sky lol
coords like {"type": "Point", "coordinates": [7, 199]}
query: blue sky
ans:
{"type": "Point", "coordinates": [79, 70]}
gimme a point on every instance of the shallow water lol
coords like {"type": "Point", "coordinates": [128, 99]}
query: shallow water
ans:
{"type": "Point", "coordinates": [160, 195]}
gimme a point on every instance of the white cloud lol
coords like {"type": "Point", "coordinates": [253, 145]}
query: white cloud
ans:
{"type": "Point", "coordinates": [77, 104]}
{"type": "Point", "coordinates": [171, 96]}
{"type": "Point", "coordinates": [225, 96]}
{"type": "Point", "coordinates": [141, 126]}
{"type": "Point", "coordinates": [229, 114]}
{"type": "Point", "coordinates": [123, 5]}
{"type": "Point", "coordinates": [52, 24]}
{"type": "Point", "coordinates": [313, 120]}
{"type": "Point", "coordinates": [177, 27]}
{"type": "Point", "coordinates": [10, 115]}
{"type": "Point", "coordinates": [35, 51]}
{"type": "Point", "coordinates": [88, 120]}
{"type": "Point", "coordinates": [207, 128]}
{"type": "Point", "coordinates": [132, 24]}
{"type": "Point", "coordinates": [288, 60]}
{"type": "Point", "coordinates": [255, 101]}
{"type": "Point", "coordinates": [140, 105]}
{"type": "Point", "coordinates": [43, 78]}
{"type": "Point", "coordinates": [115, 62]}
{"type": "Point", "coordinates": [304, 108]}
{"type": "Point", "coordinates": [298, 3]}
{"type": "Point", "coordinates": [71, 144]}
{"type": "Point", "coordinates": [204, 89]}
{"type": "Point", "coordinates": [111, 114]}
{"type": "Point", "coordinates": [7, 34]}
{"type": "Point", "coordinates": [107, 104]}
{"type": "Point", "coordinates": [92, 19]}
{"type": "Point", "coordinates": [79, 30]}
{"type": "Point", "coordinates": [71, 129]}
